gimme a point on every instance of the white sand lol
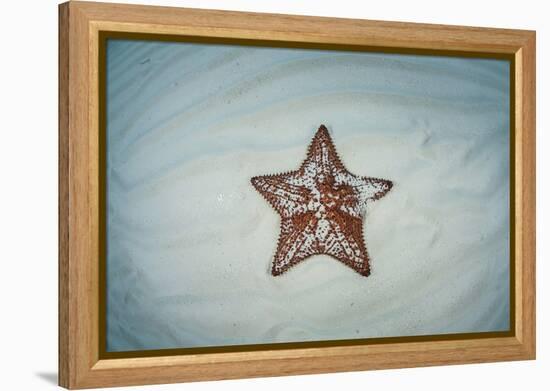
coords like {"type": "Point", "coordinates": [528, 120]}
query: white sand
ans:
{"type": "Point", "coordinates": [190, 241]}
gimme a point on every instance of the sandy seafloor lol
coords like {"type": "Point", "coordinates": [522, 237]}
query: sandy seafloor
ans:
{"type": "Point", "coordinates": [190, 241]}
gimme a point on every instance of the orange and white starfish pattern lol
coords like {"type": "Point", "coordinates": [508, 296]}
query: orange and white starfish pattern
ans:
{"type": "Point", "coordinates": [321, 207]}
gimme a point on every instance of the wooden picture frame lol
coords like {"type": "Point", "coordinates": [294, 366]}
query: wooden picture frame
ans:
{"type": "Point", "coordinates": [81, 362]}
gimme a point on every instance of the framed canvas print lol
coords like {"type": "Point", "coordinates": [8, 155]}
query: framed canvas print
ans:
{"type": "Point", "coordinates": [256, 195]}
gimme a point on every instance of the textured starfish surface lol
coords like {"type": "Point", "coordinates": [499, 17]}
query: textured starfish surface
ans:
{"type": "Point", "coordinates": [321, 207]}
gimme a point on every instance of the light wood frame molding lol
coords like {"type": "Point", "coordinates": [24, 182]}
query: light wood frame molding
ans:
{"type": "Point", "coordinates": [80, 24]}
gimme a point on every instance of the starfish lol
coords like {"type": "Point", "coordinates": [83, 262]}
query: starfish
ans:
{"type": "Point", "coordinates": [321, 207]}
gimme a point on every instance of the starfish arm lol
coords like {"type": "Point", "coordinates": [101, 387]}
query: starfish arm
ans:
{"type": "Point", "coordinates": [364, 189]}
{"type": "Point", "coordinates": [322, 157]}
{"type": "Point", "coordinates": [345, 243]}
{"type": "Point", "coordinates": [296, 242]}
{"type": "Point", "coordinates": [286, 198]}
